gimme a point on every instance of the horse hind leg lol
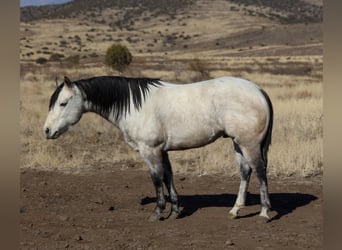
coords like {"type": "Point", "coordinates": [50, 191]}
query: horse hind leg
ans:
{"type": "Point", "coordinates": [245, 173]}
{"type": "Point", "coordinates": [264, 196]}
{"type": "Point", "coordinates": [254, 159]}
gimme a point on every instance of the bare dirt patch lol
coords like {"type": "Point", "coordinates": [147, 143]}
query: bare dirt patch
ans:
{"type": "Point", "coordinates": [108, 209]}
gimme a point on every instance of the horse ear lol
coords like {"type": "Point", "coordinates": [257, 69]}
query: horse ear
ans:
{"type": "Point", "coordinates": [57, 82]}
{"type": "Point", "coordinates": [67, 81]}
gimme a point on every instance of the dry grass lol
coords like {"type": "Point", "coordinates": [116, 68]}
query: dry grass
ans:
{"type": "Point", "coordinates": [298, 134]}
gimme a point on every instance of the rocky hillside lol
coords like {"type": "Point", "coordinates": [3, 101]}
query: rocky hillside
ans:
{"type": "Point", "coordinates": [286, 11]}
{"type": "Point", "coordinates": [193, 35]}
{"type": "Point", "coordinates": [77, 7]}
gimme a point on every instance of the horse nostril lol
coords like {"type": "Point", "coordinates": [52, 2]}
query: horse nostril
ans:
{"type": "Point", "coordinates": [47, 131]}
{"type": "Point", "coordinates": [54, 135]}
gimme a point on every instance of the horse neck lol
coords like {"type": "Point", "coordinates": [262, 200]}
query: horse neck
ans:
{"type": "Point", "coordinates": [116, 104]}
{"type": "Point", "coordinates": [91, 107]}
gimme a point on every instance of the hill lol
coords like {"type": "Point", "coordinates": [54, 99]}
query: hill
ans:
{"type": "Point", "coordinates": [168, 40]}
{"type": "Point", "coordinates": [287, 11]}
{"type": "Point", "coordinates": [235, 26]}
{"type": "Point", "coordinates": [77, 7]}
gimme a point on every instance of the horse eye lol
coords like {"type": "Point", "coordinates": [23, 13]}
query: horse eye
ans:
{"type": "Point", "coordinates": [63, 104]}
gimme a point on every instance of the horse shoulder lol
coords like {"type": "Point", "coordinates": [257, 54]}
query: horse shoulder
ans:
{"type": "Point", "coordinates": [141, 127]}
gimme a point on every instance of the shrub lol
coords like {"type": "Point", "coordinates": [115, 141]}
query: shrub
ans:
{"type": "Point", "coordinates": [56, 57]}
{"type": "Point", "coordinates": [200, 66]}
{"type": "Point", "coordinates": [41, 60]}
{"type": "Point", "coordinates": [94, 55]}
{"type": "Point", "coordinates": [118, 57]}
{"type": "Point", "coordinates": [73, 60]}
{"type": "Point", "coordinates": [63, 43]}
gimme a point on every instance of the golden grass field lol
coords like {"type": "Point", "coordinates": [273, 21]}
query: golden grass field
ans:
{"type": "Point", "coordinates": [289, 70]}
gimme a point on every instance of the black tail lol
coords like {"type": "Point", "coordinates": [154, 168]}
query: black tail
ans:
{"type": "Point", "coordinates": [268, 137]}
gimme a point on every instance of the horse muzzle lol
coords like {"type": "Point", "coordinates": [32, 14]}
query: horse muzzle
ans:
{"type": "Point", "coordinates": [51, 135]}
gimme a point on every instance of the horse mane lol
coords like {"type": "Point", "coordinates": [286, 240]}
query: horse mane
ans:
{"type": "Point", "coordinates": [114, 94]}
{"type": "Point", "coordinates": [55, 95]}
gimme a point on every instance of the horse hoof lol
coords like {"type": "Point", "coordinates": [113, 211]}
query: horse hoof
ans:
{"type": "Point", "coordinates": [154, 217]}
{"type": "Point", "coordinates": [263, 219]}
{"type": "Point", "coordinates": [232, 216]}
{"type": "Point", "coordinates": [173, 216]}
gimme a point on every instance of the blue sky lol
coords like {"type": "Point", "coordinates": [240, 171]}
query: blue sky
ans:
{"type": "Point", "coordinates": [41, 2]}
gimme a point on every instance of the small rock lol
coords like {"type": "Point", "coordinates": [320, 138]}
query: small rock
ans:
{"type": "Point", "coordinates": [63, 218]}
{"type": "Point", "coordinates": [229, 243]}
{"type": "Point", "coordinates": [98, 201]}
{"type": "Point", "coordinates": [111, 208]}
{"type": "Point", "coordinates": [109, 219]}
{"type": "Point", "coordinates": [182, 178]}
{"type": "Point", "coordinates": [59, 236]}
{"type": "Point", "coordinates": [57, 195]}
{"type": "Point", "coordinates": [78, 237]}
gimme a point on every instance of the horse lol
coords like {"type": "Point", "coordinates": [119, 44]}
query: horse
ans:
{"type": "Point", "coordinates": [156, 117]}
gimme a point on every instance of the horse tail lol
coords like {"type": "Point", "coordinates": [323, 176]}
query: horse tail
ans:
{"type": "Point", "coordinates": [268, 136]}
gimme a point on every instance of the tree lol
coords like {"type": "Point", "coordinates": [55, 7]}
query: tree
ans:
{"type": "Point", "coordinates": [118, 57]}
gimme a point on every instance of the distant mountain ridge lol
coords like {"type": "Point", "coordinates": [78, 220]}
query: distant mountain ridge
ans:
{"type": "Point", "coordinates": [285, 11]}
{"type": "Point", "coordinates": [24, 3]}
{"type": "Point", "coordinates": [72, 9]}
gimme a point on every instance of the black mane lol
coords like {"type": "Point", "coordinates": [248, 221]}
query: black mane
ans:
{"type": "Point", "coordinates": [114, 93]}
{"type": "Point", "coordinates": [55, 95]}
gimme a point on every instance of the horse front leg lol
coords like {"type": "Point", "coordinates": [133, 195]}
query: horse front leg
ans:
{"type": "Point", "coordinates": [154, 160]}
{"type": "Point", "coordinates": [157, 179]}
{"type": "Point", "coordinates": [168, 180]}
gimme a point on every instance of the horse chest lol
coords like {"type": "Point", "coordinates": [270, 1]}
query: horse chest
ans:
{"type": "Point", "coordinates": [141, 133]}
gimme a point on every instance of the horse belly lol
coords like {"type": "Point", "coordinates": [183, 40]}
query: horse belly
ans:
{"type": "Point", "coordinates": [191, 137]}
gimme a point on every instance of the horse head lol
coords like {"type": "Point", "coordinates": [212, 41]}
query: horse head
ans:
{"type": "Point", "coordinates": [65, 109]}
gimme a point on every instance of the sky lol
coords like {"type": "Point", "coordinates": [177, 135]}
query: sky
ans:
{"type": "Point", "coordinates": [41, 2]}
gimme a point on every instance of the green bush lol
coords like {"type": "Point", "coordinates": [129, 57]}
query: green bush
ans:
{"type": "Point", "coordinates": [118, 57]}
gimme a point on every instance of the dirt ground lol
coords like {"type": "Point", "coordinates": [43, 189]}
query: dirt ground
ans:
{"type": "Point", "coordinates": [108, 209]}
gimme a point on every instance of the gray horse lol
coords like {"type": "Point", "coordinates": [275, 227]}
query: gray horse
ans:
{"type": "Point", "coordinates": [156, 117]}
